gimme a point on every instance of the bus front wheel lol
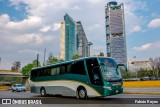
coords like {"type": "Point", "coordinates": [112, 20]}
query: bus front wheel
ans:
{"type": "Point", "coordinates": [81, 93]}
{"type": "Point", "coordinates": [43, 92]}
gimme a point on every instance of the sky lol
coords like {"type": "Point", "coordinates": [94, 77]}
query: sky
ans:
{"type": "Point", "coordinates": [27, 27]}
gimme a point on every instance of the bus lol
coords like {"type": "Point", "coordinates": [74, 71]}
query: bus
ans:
{"type": "Point", "coordinates": [83, 78]}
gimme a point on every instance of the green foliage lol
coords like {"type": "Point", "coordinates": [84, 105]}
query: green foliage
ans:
{"type": "Point", "coordinates": [76, 56]}
{"type": "Point", "coordinates": [34, 63]}
{"type": "Point", "coordinates": [144, 73]}
{"type": "Point", "coordinates": [26, 69]}
{"type": "Point", "coordinates": [126, 74]}
{"type": "Point", "coordinates": [51, 59]}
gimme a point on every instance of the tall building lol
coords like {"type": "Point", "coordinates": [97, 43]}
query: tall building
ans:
{"type": "Point", "coordinates": [115, 32]}
{"type": "Point", "coordinates": [68, 38]}
{"type": "Point", "coordinates": [82, 42]}
{"type": "Point", "coordinates": [62, 41]}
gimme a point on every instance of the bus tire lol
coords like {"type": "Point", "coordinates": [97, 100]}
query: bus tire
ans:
{"type": "Point", "coordinates": [43, 92]}
{"type": "Point", "coordinates": [81, 93]}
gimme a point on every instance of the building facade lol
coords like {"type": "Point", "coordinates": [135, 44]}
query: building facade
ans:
{"type": "Point", "coordinates": [68, 38]}
{"type": "Point", "coordinates": [136, 65]}
{"type": "Point", "coordinates": [73, 39]}
{"type": "Point", "coordinates": [62, 41]}
{"type": "Point", "coordinates": [115, 32]}
{"type": "Point", "coordinates": [82, 42]}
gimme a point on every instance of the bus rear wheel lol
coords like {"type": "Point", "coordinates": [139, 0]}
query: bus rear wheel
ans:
{"type": "Point", "coordinates": [43, 92]}
{"type": "Point", "coordinates": [81, 93]}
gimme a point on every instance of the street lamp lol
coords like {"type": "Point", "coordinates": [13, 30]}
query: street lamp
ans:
{"type": "Point", "coordinates": [89, 44]}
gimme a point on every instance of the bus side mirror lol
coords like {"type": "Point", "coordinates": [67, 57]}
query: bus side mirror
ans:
{"type": "Point", "coordinates": [122, 67]}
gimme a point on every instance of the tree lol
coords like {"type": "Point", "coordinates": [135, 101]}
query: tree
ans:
{"type": "Point", "coordinates": [126, 74]}
{"type": "Point", "coordinates": [26, 69]}
{"type": "Point", "coordinates": [35, 63]}
{"type": "Point", "coordinates": [16, 65]}
{"type": "Point", "coordinates": [51, 59]}
{"type": "Point", "coordinates": [101, 54]}
{"type": "Point", "coordinates": [151, 61]}
{"type": "Point", "coordinates": [157, 64]}
{"type": "Point", "coordinates": [76, 56]}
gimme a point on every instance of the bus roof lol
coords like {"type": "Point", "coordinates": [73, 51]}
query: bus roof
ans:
{"type": "Point", "coordinates": [65, 62]}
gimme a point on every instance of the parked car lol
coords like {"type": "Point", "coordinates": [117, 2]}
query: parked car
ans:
{"type": "Point", "coordinates": [144, 78]}
{"type": "Point", "coordinates": [153, 78]}
{"type": "Point", "coordinates": [18, 87]}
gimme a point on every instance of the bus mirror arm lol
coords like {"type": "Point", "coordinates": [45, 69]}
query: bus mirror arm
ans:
{"type": "Point", "coordinates": [123, 65]}
{"type": "Point", "coordinates": [102, 64]}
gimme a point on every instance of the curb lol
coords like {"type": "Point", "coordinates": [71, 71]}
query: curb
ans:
{"type": "Point", "coordinates": [153, 93]}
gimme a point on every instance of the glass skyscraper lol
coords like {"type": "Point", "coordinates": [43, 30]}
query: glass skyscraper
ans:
{"type": "Point", "coordinates": [115, 32]}
{"type": "Point", "coordinates": [82, 42]}
{"type": "Point", "coordinates": [68, 38]}
{"type": "Point", "coordinates": [73, 39]}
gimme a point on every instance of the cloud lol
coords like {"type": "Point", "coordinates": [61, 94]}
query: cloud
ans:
{"type": "Point", "coordinates": [95, 26]}
{"type": "Point", "coordinates": [45, 29]}
{"type": "Point", "coordinates": [148, 46]}
{"type": "Point", "coordinates": [29, 51]}
{"type": "Point", "coordinates": [54, 27]}
{"type": "Point", "coordinates": [136, 29]}
{"type": "Point", "coordinates": [143, 47]}
{"type": "Point", "coordinates": [94, 1]}
{"type": "Point", "coordinates": [30, 22]}
{"type": "Point", "coordinates": [154, 23]}
{"type": "Point", "coordinates": [4, 18]}
{"type": "Point", "coordinates": [29, 38]}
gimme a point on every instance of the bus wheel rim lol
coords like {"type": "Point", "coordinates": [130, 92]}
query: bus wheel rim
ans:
{"type": "Point", "coordinates": [42, 92]}
{"type": "Point", "coordinates": [82, 93]}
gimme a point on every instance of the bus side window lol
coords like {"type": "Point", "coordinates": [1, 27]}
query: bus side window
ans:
{"type": "Point", "coordinates": [78, 68]}
{"type": "Point", "coordinates": [58, 70]}
{"type": "Point", "coordinates": [48, 72]}
{"type": "Point", "coordinates": [54, 71]}
{"type": "Point", "coordinates": [69, 68]}
{"type": "Point", "coordinates": [62, 69]}
{"type": "Point", "coordinates": [34, 74]}
{"type": "Point", "coordinates": [91, 65]}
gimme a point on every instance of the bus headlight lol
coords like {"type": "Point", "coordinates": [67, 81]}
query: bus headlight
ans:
{"type": "Point", "coordinates": [109, 88]}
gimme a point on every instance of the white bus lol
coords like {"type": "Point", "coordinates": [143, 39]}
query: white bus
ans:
{"type": "Point", "coordinates": [86, 77]}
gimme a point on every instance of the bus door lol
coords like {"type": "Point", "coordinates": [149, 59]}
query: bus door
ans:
{"type": "Point", "coordinates": [94, 71]}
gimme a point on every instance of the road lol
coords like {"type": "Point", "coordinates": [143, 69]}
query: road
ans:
{"type": "Point", "coordinates": [61, 101]}
{"type": "Point", "coordinates": [141, 89]}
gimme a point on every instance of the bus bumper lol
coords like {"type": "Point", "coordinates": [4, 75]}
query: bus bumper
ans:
{"type": "Point", "coordinates": [112, 90]}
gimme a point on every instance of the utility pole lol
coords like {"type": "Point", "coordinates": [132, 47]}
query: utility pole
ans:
{"type": "Point", "coordinates": [44, 62]}
{"type": "Point", "coordinates": [0, 60]}
{"type": "Point", "coordinates": [37, 59]}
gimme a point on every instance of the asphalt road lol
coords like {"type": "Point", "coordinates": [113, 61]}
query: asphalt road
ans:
{"type": "Point", "coordinates": [141, 89]}
{"type": "Point", "coordinates": [62, 101]}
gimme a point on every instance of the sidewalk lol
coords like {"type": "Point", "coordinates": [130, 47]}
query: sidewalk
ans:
{"type": "Point", "coordinates": [155, 91]}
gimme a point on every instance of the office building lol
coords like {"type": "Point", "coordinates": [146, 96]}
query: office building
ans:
{"type": "Point", "coordinates": [82, 42]}
{"type": "Point", "coordinates": [115, 32]}
{"type": "Point", "coordinates": [68, 38]}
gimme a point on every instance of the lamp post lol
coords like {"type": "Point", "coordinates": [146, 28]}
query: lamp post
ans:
{"type": "Point", "coordinates": [89, 44]}
{"type": "Point", "coordinates": [135, 65]}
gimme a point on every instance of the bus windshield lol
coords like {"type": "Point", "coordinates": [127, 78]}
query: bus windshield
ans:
{"type": "Point", "coordinates": [109, 70]}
